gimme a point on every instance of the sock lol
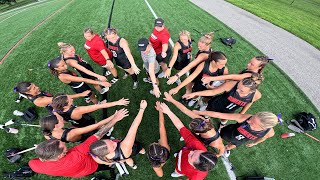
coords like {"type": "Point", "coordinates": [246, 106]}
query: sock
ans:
{"type": "Point", "coordinates": [224, 122]}
{"type": "Point", "coordinates": [134, 77]}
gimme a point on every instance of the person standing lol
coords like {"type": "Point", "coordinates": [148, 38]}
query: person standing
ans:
{"type": "Point", "coordinates": [99, 53]}
{"type": "Point", "coordinates": [159, 39]}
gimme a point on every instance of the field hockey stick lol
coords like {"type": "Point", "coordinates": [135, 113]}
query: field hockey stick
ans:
{"type": "Point", "coordinates": [298, 130]}
{"type": "Point", "coordinates": [122, 169]}
{"type": "Point", "coordinates": [11, 121]}
{"type": "Point", "coordinates": [21, 152]}
{"type": "Point", "coordinates": [110, 16]}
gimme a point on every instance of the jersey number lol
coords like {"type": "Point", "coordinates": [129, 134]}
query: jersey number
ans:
{"type": "Point", "coordinates": [189, 55]}
{"type": "Point", "coordinates": [114, 54]}
{"type": "Point", "coordinates": [231, 106]}
{"type": "Point", "coordinates": [239, 137]}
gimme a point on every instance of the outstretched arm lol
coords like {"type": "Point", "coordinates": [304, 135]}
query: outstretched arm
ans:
{"type": "Point", "coordinates": [124, 44]}
{"type": "Point", "coordinates": [175, 120]}
{"type": "Point", "coordinates": [163, 141]}
{"type": "Point", "coordinates": [75, 64]}
{"type": "Point", "coordinates": [236, 116]}
{"type": "Point", "coordinates": [127, 143]}
{"type": "Point", "coordinates": [174, 57]}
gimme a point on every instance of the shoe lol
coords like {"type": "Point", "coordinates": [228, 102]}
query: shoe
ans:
{"type": "Point", "coordinates": [2, 126]}
{"type": "Point", "coordinates": [142, 151]}
{"type": "Point", "coordinates": [125, 76]}
{"type": "Point", "coordinates": [175, 154]}
{"type": "Point", "coordinates": [10, 122]}
{"type": "Point", "coordinates": [110, 131]}
{"type": "Point", "coordinates": [181, 138]}
{"type": "Point", "coordinates": [192, 102]}
{"type": "Point", "coordinates": [226, 153]}
{"type": "Point", "coordinates": [104, 90]}
{"type": "Point", "coordinates": [147, 80]}
{"type": "Point", "coordinates": [151, 92]}
{"type": "Point", "coordinates": [135, 85]}
{"type": "Point", "coordinates": [161, 75]}
{"type": "Point", "coordinates": [114, 80]}
{"type": "Point", "coordinates": [221, 126]}
{"type": "Point", "coordinates": [107, 73]}
{"type": "Point", "coordinates": [178, 82]}
{"type": "Point", "coordinates": [87, 99]}
{"type": "Point", "coordinates": [203, 108]}
{"type": "Point", "coordinates": [18, 113]}
{"type": "Point", "coordinates": [134, 166]}
{"type": "Point", "coordinates": [175, 174]}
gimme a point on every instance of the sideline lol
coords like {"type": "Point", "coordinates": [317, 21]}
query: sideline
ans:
{"type": "Point", "coordinates": [25, 36]}
{"type": "Point", "coordinates": [227, 165]}
{"type": "Point", "coordinates": [35, 3]}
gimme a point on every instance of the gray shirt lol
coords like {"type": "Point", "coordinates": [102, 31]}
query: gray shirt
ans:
{"type": "Point", "coordinates": [150, 58]}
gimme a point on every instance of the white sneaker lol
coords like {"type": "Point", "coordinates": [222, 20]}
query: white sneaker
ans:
{"type": "Point", "coordinates": [151, 92]}
{"type": "Point", "coordinates": [135, 85]}
{"type": "Point", "coordinates": [107, 73]}
{"type": "Point", "coordinates": [11, 130]}
{"type": "Point", "coordinates": [178, 81]}
{"type": "Point", "coordinates": [147, 80]}
{"type": "Point", "coordinates": [8, 123]}
{"type": "Point", "coordinates": [175, 154]}
{"type": "Point", "coordinates": [192, 102]}
{"type": "Point", "coordinates": [125, 76]}
{"type": "Point", "coordinates": [203, 108]}
{"type": "Point", "coordinates": [2, 126]}
{"type": "Point", "coordinates": [226, 153]}
{"type": "Point", "coordinates": [161, 75]}
{"type": "Point", "coordinates": [181, 138]}
{"type": "Point", "coordinates": [110, 131]}
{"type": "Point", "coordinates": [175, 174]}
{"type": "Point", "coordinates": [18, 113]}
{"type": "Point", "coordinates": [114, 80]}
{"type": "Point", "coordinates": [134, 166]}
{"type": "Point", "coordinates": [104, 90]}
{"type": "Point", "coordinates": [87, 99]}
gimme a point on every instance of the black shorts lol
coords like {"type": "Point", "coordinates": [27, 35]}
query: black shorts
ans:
{"type": "Point", "coordinates": [226, 134]}
{"type": "Point", "coordinates": [123, 63]}
{"type": "Point", "coordinates": [83, 88]}
{"type": "Point", "coordinates": [137, 147]}
{"type": "Point", "coordinates": [213, 105]}
{"type": "Point", "coordinates": [180, 64]}
{"type": "Point", "coordinates": [160, 59]}
{"type": "Point", "coordinates": [84, 75]}
{"type": "Point", "coordinates": [198, 87]}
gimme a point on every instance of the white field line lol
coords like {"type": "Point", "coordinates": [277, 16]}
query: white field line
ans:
{"type": "Point", "coordinates": [226, 163]}
{"type": "Point", "coordinates": [12, 15]}
{"type": "Point", "coordinates": [22, 7]}
{"type": "Point", "coordinates": [155, 16]}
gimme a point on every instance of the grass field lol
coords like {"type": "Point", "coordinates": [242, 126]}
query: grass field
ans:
{"type": "Point", "coordinates": [301, 18]}
{"type": "Point", "coordinates": [6, 7]}
{"type": "Point", "coordinates": [292, 158]}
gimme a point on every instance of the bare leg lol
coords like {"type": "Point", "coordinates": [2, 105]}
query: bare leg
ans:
{"type": "Point", "coordinates": [164, 66]}
{"type": "Point", "coordinates": [189, 88]}
{"type": "Point", "coordinates": [93, 98]}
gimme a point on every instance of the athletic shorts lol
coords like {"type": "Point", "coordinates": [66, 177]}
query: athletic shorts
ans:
{"type": "Point", "coordinates": [123, 63]}
{"type": "Point", "coordinates": [159, 58]}
{"type": "Point", "coordinates": [198, 87]}
{"type": "Point", "coordinates": [137, 147]}
{"type": "Point", "coordinates": [226, 134]}
{"type": "Point", "coordinates": [180, 64]}
{"type": "Point", "coordinates": [84, 75]}
{"type": "Point", "coordinates": [83, 88]}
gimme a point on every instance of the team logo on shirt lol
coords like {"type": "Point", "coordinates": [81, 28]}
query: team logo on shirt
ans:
{"type": "Point", "coordinates": [86, 46]}
{"type": "Point", "coordinates": [154, 37]}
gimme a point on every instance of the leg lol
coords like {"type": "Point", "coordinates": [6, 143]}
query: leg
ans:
{"type": "Point", "coordinates": [93, 98]}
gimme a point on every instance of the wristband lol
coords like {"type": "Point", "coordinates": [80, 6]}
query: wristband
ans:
{"type": "Point", "coordinates": [154, 84]}
{"type": "Point", "coordinates": [169, 67]}
{"type": "Point", "coordinates": [177, 75]}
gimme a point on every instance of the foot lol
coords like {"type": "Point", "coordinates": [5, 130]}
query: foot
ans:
{"type": "Point", "coordinates": [147, 80]}
{"type": "Point", "coordinates": [107, 73]}
{"type": "Point", "coordinates": [175, 174]}
{"type": "Point", "coordinates": [104, 90]}
{"type": "Point", "coordinates": [134, 166]}
{"type": "Point", "coordinates": [87, 99]}
{"type": "Point", "coordinates": [161, 75]}
{"type": "Point", "coordinates": [114, 80]}
{"type": "Point", "coordinates": [18, 113]}
{"type": "Point", "coordinates": [151, 92]}
{"type": "Point", "coordinates": [142, 151]}
{"type": "Point", "coordinates": [221, 126]}
{"type": "Point", "coordinates": [125, 76]}
{"type": "Point", "coordinates": [192, 102]}
{"type": "Point", "coordinates": [181, 138]}
{"type": "Point", "coordinates": [135, 85]}
{"type": "Point", "coordinates": [226, 153]}
{"type": "Point", "coordinates": [178, 82]}
{"type": "Point", "coordinates": [203, 108]}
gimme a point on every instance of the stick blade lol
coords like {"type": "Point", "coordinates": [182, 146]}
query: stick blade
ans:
{"type": "Point", "coordinates": [295, 128]}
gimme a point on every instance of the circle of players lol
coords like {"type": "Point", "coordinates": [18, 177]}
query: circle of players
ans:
{"type": "Point", "coordinates": [209, 88]}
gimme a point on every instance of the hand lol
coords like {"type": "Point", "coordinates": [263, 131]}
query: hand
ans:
{"type": "Point", "coordinates": [250, 145]}
{"type": "Point", "coordinates": [123, 102]}
{"type": "Point", "coordinates": [172, 79]}
{"type": "Point", "coordinates": [157, 106]}
{"type": "Point", "coordinates": [206, 79]}
{"type": "Point", "coordinates": [168, 73]}
{"type": "Point", "coordinates": [85, 93]}
{"type": "Point", "coordinates": [189, 96]}
{"type": "Point", "coordinates": [156, 91]}
{"type": "Point", "coordinates": [165, 108]}
{"type": "Point", "coordinates": [174, 91]}
{"type": "Point", "coordinates": [103, 102]}
{"type": "Point", "coordinates": [135, 69]}
{"type": "Point", "coordinates": [110, 64]}
{"type": "Point", "coordinates": [168, 97]}
{"type": "Point", "coordinates": [102, 78]}
{"type": "Point", "coordinates": [105, 84]}
{"type": "Point", "coordinates": [143, 104]}
{"type": "Point", "coordinates": [163, 54]}
{"type": "Point", "coordinates": [119, 115]}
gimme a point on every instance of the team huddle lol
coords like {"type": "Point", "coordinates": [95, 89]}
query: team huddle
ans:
{"type": "Point", "coordinates": [209, 87]}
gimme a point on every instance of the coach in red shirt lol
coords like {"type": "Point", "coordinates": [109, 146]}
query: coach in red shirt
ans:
{"type": "Point", "coordinates": [193, 160]}
{"type": "Point", "coordinates": [55, 160]}
{"type": "Point", "coordinates": [99, 53]}
{"type": "Point", "coordinates": [159, 39]}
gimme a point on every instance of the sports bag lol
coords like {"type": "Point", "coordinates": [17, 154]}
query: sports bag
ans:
{"type": "Point", "coordinates": [229, 41]}
{"type": "Point", "coordinates": [305, 121]}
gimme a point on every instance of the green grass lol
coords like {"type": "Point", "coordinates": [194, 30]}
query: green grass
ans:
{"type": "Point", "coordinates": [276, 157]}
{"type": "Point", "coordinates": [301, 18]}
{"type": "Point", "coordinates": [7, 7]}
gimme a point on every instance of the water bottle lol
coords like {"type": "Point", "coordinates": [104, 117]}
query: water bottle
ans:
{"type": "Point", "coordinates": [287, 135]}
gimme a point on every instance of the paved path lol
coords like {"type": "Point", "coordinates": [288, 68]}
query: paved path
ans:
{"type": "Point", "coordinates": [298, 59]}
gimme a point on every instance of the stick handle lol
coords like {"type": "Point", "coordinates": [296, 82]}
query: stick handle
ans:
{"type": "Point", "coordinates": [32, 125]}
{"type": "Point", "coordinates": [26, 150]}
{"type": "Point", "coordinates": [312, 137]}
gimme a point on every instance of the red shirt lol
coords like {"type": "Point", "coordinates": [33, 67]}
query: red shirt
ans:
{"type": "Point", "coordinates": [157, 38]}
{"type": "Point", "coordinates": [182, 164]}
{"type": "Point", "coordinates": [76, 163]}
{"type": "Point", "coordinates": [94, 48]}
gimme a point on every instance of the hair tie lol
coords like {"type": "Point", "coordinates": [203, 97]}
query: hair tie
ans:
{"type": "Point", "coordinates": [49, 64]}
{"type": "Point", "coordinates": [15, 89]}
{"type": "Point", "coordinates": [92, 154]}
{"type": "Point", "coordinates": [279, 118]}
{"type": "Point", "coordinates": [202, 123]}
{"type": "Point", "coordinates": [155, 158]}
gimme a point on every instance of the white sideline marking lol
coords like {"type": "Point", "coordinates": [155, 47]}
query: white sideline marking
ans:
{"type": "Point", "coordinates": [22, 7]}
{"type": "Point", "coordinates": [155, 16]}
{"type": "Point", "coordinates": [13, 15]}
{"type": "Point", "coordinates": [226, 163]}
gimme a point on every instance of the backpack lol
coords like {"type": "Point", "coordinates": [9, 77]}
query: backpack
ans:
{"type": "Point", "coordinates": [21, 173]}
{"type": "Point", "coordinates": [29, 115]}
{"type": "Point", "coordinates": [305, 121]}
{"type": "Point", "coordinates": [229, 41]}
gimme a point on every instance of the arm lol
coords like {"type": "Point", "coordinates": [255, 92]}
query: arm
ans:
{"type": "Point", "coordinates": [127, 143]}
{"type": "Point", "coordinates": [174, 57]}
{"type": "Point", "coordinates": [188, 79]}
{"type": "Point", "coordinates": [119, 115]}
{"type": "Point", "coordinates": [256, 97]}
{"type": "Point", "coordinates": [164, 50]}
{"type": "Point", "coordinates": [66, 78]}
{"type": "Point", "coordinates": [124, 45]}
{"type": "Point", "coordinates": [153, 78]}
{"type": "Point", "coordinates": [237, 117]}
{"type": "Point", "coordinates": [106, 56]}
{"type": "Point", "coordinates": [175, 120]}
{"type": "Point", "coordinates": [235, 77]}
{"type": "Point", "coordinates": [74, 64]}
{"type": "Point", "coordinates": [79, 111]}
{"type": "Point", "coordinates": [43, 101]}
{"type": "Point", "coordinates": [163, 141]}
{"type": "Point", "coordinates": [83, 94]}
{"type": "Point", "coordinates": [260, 140]}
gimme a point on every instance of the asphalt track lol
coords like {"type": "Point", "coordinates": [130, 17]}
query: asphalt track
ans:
{"type": "Point", "coordinates": [295, 57]}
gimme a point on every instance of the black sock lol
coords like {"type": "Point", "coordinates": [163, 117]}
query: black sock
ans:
{"type": "Point", "coordinates": [115, 77]}
{"type": "Point", "coordinates": [134, 77]}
